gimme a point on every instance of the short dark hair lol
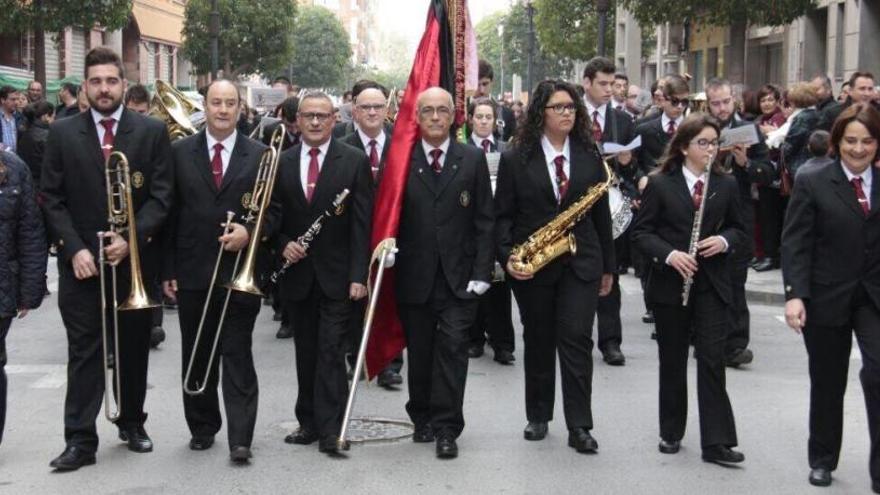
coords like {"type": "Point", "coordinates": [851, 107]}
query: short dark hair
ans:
{"type": "Point", "coordinates": [6, 92]}
{"type": "Point", "coordinates": [137, 93]}
{"type": "Point", "coordinates": [818, 143]}
{"type": "Point", "coordinates": [484, 70]}
{"type": "Point", "coordinates": [71, 88]}
{"type": "Point", "coordinates": [34, 111]}
{"type": "Point", "coordinates": [826, 81]}
{"type": "Point", "coordinates": [673, 84]}
{"type": "Point", "coordinates": [863, 113]}
{"type": "Point", "coordinates": [281, 79]}
{"type": "Point", "coordinates": [596, 65]}
{"type": "Point", "coordinates": [622, 76]}
{"type": "Point", "coordinates": [363, 84]}
{"type": "Point", "coordinates": [858, 74]}
{"type": "Point", "coordinates": [288, 108]}
{"type": "Point", "coordinates": [102, 55]}
{"type": "Point", "coordinates": [768, 90]}
{"type": "Point", "coordinates": [482, 100]}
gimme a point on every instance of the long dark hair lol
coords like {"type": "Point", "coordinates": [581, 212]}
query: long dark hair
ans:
{"type": "Point", "coordinates": [528, 134]}
{"type": "Point", "coordinates": [690, 127]}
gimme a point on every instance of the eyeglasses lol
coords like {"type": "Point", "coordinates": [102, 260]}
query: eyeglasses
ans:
{"type": "Point", "coordinates": [319, 116]}
{"type": "Point", "coordinates": [431, 111]}
{"type": "Point", "coordinates": [483, 116]}
{"type": "Point", "coordinates": [367, 108]}
{"type": "Point", "coordinates": [678, 102]}
{"type": "Point", "coordinates": [561, 108]}
{"type": "Point", "coordinates": [704, 144]}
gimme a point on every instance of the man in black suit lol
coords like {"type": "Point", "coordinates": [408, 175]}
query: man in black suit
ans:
{"type": "Point", "coordinates": [372, 137]}
{"type": "Point", "coordinates": [506, 122]}
{"type": "Point", "coordinates": [214, 172]}
{"type": "Point", "coordinates": [343, 129]}
{"type": "Point", "coordinates": [75, 206]}
{"type": "Point", "coordinates": [862, 89]}
{"type": "Point", "coordinates": [749, 165]}
{"type": "Point", "coordinates": [319, 286]}
{"type": "Point", "coordinates": [609, 125]}
{"type": "Point", "coordinates": [445, 262]}
{"type": "Point", "coordinates": [657, 132]}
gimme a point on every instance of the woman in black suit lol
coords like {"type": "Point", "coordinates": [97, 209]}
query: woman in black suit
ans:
{"type": "Point", "coordinates": [662, 231]}
{"type": "Point", "coordinates": [831, 269]}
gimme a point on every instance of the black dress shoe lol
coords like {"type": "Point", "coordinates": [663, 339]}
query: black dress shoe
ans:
{"type": "Point", "coordinates": [447, 448]}
{"type": "Point", "coordinates": [284, 332]}
{"type": "Point", "coordinates": [669, 446]}
{"type": "Point", "coordinates": [720, 454]}
{"type": "Point", "coordinates": [72, 459]}
{"type": "Point", "coordinates": [739, 357]}
{"type": "Point", "coordinates": [157, 336]}
{"type": "Point", "coordinates": [766, 264]}
{"type": "Point", "coordinates": [875, 486]}
{"type": "Point", "coordinates": [201, 443]}
{"type": "Point", "coordinates": [504, 356]}
{"type": "Point", "coordinates": [820, 477]}
{"type": "Point", "coordinates": [648, 317]}
{"type": "Point", "coordinates": [581, 440]}
{"type": "Point", "coordinates": [535, 430]}
{"type": "Point", "coordinates": [475, 351]}
{"type": "Point", "coordinates": [389, 378]}
{"type": "Point", "coordinates": [755, 260]}
{"type": "Point", "coordinates": [328, 445]}
{"type": "Point", "coordinates": [613, 356]}
{"type": "Point", "coordinates": [137, 439]}
{"type": "Point", "coordinates": [302, 436]}
{"type": "Point", "coordinates": [240, 454]}
{"type": "Point", "coordinates": [423, 434]}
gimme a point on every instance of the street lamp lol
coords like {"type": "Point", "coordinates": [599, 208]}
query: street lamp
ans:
{"type": "Point", "coordinates": [501, 37]}
{"type": "Point", "coordinates": [602, 10]}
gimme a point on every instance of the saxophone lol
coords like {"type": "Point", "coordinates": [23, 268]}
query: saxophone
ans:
{"type": "Point", "coordinates": [556, 238]}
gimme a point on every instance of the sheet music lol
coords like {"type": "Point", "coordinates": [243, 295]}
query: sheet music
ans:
{"type": "Point", "coordinates": [746, 135]}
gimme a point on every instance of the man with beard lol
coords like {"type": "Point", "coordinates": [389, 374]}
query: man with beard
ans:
{"type": "Point", "coordinates": [75, 205]}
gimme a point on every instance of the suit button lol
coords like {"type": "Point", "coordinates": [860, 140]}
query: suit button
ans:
{"type": "Point", "coordinates": [656, 260]}
{"type": "Point", "coordinates": [787, 288]}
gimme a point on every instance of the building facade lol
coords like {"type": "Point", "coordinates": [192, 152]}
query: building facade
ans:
{"type": "Point", "coordinates": [356, 17]}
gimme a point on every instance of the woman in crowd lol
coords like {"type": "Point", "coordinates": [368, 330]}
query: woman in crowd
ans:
{"type": "Point", "coordinates": [771, 206]}
{"type": "Point", "coordinates": [804, 120]}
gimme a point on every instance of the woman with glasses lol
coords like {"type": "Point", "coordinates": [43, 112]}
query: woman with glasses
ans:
{"type": "Point", "coordinates": [663, 232]}
{"type": "Point", "coordinates": [831, 270]}
{"type": "Point", "coordinates": [553, 162]}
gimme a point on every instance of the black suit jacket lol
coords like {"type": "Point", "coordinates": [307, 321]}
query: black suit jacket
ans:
{"type": "Point", "coordinates": [829, 247]}
{"type": "Point", "coordinates": [654, 142]}
{"type": "Point", "coordinates": [290, 140]}
{"type": "Point", "coordinates": [339, 256]}
{"type": "Point", "coordinates": [200, 207]}
{"type": "Point", "coordinates": [74, 190]}
{"type": "Point", "coordinates": [665, 222]}
{"type": "Point", "coordinates": [758, 169]}
{"type": "Point", "coordinates": [525, 202]}
{"type": "Point", "coordinates": [445, 220]}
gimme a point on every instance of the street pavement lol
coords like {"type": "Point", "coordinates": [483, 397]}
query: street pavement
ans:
{"type": "Point", "coordinates": [770, 401]}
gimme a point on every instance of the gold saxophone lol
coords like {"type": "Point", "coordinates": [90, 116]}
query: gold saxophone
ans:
{"type": "Point", "coordinates": [556, 238]}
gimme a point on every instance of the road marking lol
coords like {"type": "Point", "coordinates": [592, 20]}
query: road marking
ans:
{"type": "Point", "coordinates": [54, 375]}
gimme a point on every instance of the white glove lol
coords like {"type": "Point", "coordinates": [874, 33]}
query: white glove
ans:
{"type": "Point", "coordinates": [477, 287]}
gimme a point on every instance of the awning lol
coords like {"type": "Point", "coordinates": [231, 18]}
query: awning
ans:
{"type": "Point", "coordinates": [159, 22]}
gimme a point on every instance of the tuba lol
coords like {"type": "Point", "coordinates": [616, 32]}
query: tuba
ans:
{"type": "Point", "coordinates": [556, 238]}
{"type": "Point", "coordinates": [182, 116]}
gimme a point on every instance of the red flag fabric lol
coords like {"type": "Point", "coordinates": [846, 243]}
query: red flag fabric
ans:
{"type": "Point", "coordinates": [386, 339]}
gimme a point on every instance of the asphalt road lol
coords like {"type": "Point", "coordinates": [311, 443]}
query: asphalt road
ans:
{"type": "Point", "coordinates": [770, 400]}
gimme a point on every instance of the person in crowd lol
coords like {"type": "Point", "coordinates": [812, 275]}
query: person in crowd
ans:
{"type": "Point", "coordinates": [137, 99]}
{"type": "Point", "coordinates": [35, 92]}
{"type": "Point", "coordinates": [506, 127]}
{"type": "Point", "coordinates": [82, 100]}
{"type": "Point", "coordinates": [804, 120]}
{"type": "Point", "coordinates": [67, 97]}
{"type": "Point", "coordinates": [819, 146]}
{"type": "Point", "coordinates": [822, 84]}
{"type": "Point", "coordinates": [862, 89]}
{"type": "Point", "coordinates": [8, 120]}
{"type": "Point", "coordinates": [32, 138]}
{"type": "Point", "coordinates": [771, 204]}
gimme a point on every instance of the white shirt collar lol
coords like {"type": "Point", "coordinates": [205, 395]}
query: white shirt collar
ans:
{"type": "Point", "coordinates": [550, 152]}
{"type": "Point", "coordinates": [591, 109]}
{"type": "Point", "coordinates": [443, 147]}
{"type": "Point", "coordinates": [98, 116]}
{"type": "Point", "coordinates": [692, 179]}
{"type": "Point", "coordinates": [867, 178]}
{"type": "Point", "coordinates": [228, 143]}
{"type": "Point", "coordinates": [322, 150]}
{"type": "Point", "coordinates": [477, 140]}
{"type": "Point", "coordinates": [380, 139]}
{"type": "Point", "coordinates": [664, 121]}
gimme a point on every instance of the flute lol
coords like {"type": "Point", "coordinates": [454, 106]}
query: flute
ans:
{"type": "Point", "coordinates": [695, 232]}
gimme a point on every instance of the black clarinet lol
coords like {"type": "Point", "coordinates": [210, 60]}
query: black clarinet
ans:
{"type": "Point", "coordinates": [312, 232]}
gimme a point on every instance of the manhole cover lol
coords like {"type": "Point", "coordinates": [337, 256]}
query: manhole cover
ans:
{"type": "Point", "coordinates": [364, 430]}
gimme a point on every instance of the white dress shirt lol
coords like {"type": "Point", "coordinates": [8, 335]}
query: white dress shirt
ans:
{"type": "Point", "coordinates": [478, 141]}
{"type": "Point", "coordinates": [867, 179]}
{"type": "Point", "coordinates": [98, 117]}
{"type": "Point", "coordinates": [691, 180]}
{"type": "Point", "coordinates": [664, 121]}
{"type": "Point", "coordinates": [430, 147]}
{"type": "Point", "coordinates": [380, 142]}
{"type": "Point", "coordinates": [550, 154]}
{"type": "Point", "coordinates": [591, 110]}
{"type": "Point", "coordinates": [305, 158]}
{"type": "Point", "coordinates": [226, 152]}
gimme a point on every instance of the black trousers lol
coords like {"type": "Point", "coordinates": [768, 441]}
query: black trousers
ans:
{"type": "Point", "coordinates": [156, 313]}
{"type": "Point", "coordinates": [437, 342]}
{"type": "Point", "coordinates": [740, 319]}
{"type": "Point", "coordinates": [79, 302]}
{"type": "Point", "coordinates": [707, 318]}
{"type": "Point", "coordinates": [4, 330]}
{"type": "Point", "coordinates": [494, 322]}
{"type": "Point", "coordinates": [608, 317]}
{"type": "Point", "coordinates": [642, 270]}
{"type": "Point", "coordinates": [558, 318]}
{"type": "Point", "coordinates": [828, 349]}
{"type": "Point", "coordinates": [355, 334]}
{"type": "Point", "coordinates": [320, 327]}
{"type": "Point", "coordinates": [771, 211]}
{"type": "Point", "coordinates": [240, 388]}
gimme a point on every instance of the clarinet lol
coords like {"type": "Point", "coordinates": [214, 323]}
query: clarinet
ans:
{"type": "Point", "coordinates": [312, 232]}
{"type": "Point", "coordinates": [695, 232]}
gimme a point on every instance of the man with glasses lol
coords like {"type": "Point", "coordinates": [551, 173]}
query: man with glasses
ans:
{"type": "Point", "coordinates": [343, 129]}
{"type": "Point", "coordinates": [749, 165]}
{"type": "Point", "coordinates": [319, 287]}
{"type": "Point", "coordinates": [444, 265]}
{"type": "Point", "coordinates": [657, 132]}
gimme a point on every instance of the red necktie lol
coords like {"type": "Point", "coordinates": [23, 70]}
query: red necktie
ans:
{"type": "Point", "coordinates": [698, 193]}
{"type": "Point", "coordinates": [670, 129]}
{"type": "Point", "coordinates": [435, 161]}
{"type": "Point", "coordinates": [217, 165]}
{"type": "Point", "coordinates": [312, 179]}
{"type": "Point", "coordinates": [487, 145]}
{"type": "Point", "coordinates": [597, 127]}
{"type": "Point", "coordinates": [860, 194]}
{"type": "Point", "coordinates": [107, 142]}
{"type": "Point", "coordinates": [561, 178]}
{"type": "Point", "coordinates": [374, 158]}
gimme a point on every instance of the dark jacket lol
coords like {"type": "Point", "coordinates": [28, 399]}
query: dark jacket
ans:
{"type": "Point", "coordinates": [654, 141]}
{"type": "Point", "coordinates": [829, 247]}
{"type": "Point", "coordinates": [354, 140]}
{"type": "Point", "coordinates": [794, 149]}
{"type": "Point", "coordinates": [32, 145]}
{"type": "Point", "coordinates": [23, 249]}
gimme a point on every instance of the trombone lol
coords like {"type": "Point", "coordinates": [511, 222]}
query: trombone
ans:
{"type": "Point", "coordinates": [121, 217]}
{"type": "Point", "coordinates": [259, 202]}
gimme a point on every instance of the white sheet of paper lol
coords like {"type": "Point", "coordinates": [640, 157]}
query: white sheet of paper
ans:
{"type": "Point", "coordinates": [746, 135]}
{"type": "Point", "coordinates": [492, 160]}
{"type": "Point", "coordinates": [614, 148]}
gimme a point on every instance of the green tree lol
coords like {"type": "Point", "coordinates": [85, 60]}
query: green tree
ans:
{"type": "Point", "coordinates": [53, 16]}
{"type": "Point", "coordinates": [321, 52]}
{"type": "Point", "coordinates": [569, 28]}
{"type": "Point", "coordinates": [252, 35]}
{"type": "Point", "coordinates": [738, 14]}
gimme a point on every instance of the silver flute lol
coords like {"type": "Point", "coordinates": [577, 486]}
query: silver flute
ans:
{"type": "Point", "coordinates": [312, 232]}
{"type": "Point", "coordinates": [695, 232]}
